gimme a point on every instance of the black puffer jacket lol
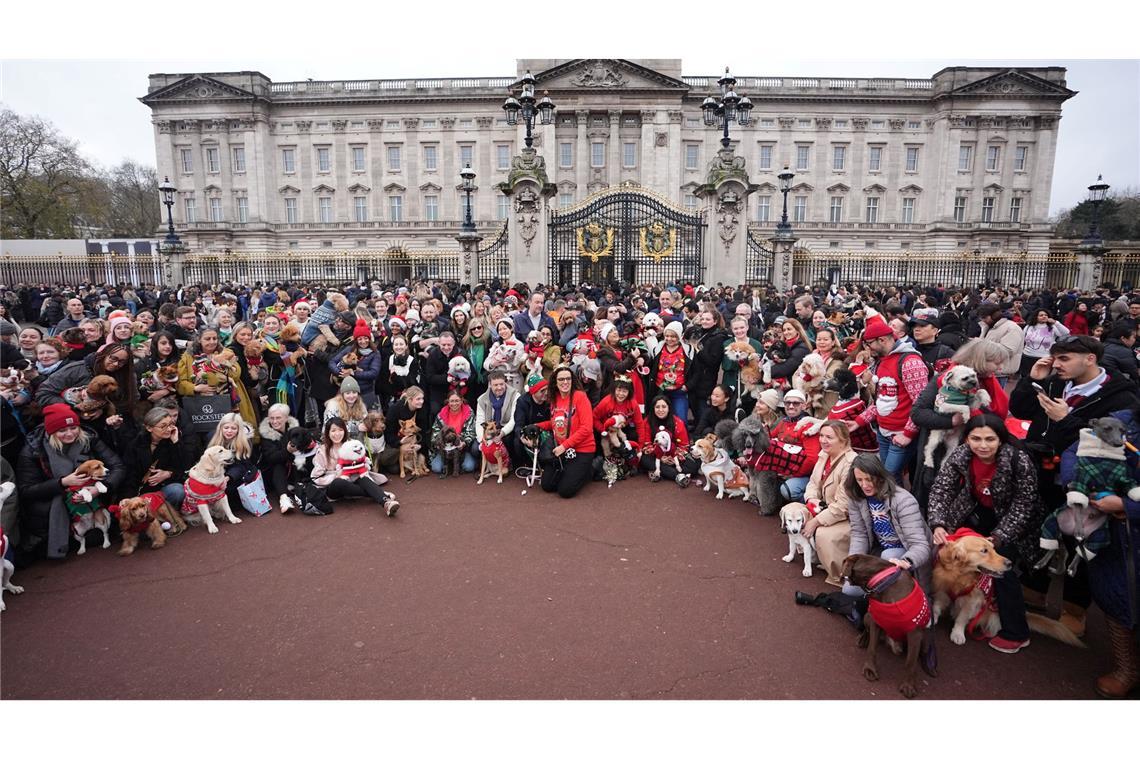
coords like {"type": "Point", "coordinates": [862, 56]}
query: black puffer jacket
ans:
{"type": "Point", "coordinates": [706, 364]}
{"type": "Point", "coordinates": [1119, 360]}
{"type": "Point", "coordinates": [788, 367]}
{"type": "Point", "coordinates": [273, 444]}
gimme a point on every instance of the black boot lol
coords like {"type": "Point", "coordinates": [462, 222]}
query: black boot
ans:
{"type": "Point", "coordinates": [808, 600]}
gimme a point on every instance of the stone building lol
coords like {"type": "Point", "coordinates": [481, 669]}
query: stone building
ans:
{"type": "Point", "coordinates": [958, 162]}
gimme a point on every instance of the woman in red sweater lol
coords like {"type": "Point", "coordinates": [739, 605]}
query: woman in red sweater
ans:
{"type": "Point", "coordinates": [676, 464]}
{"type": "Point", "coordinates": [1077, 320]}
{"type": "Point", "coordinates": [621, 402]}
{"type": "Point", "coordinates": [572, 423]}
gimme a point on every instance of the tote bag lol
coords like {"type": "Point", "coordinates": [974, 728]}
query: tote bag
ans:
{"type": "Point", "coordinates": [253, 498]}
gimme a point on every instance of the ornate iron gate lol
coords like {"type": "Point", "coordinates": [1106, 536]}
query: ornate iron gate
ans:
{"type": "Point", "coordinates": [626, 235]}
{"type": "Point", "coordinates": [757, 261]}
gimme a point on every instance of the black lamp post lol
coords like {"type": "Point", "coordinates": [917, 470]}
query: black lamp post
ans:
{"type": "Point", "coordinates": [529, 107]}
{"type": "Point", "coordinates": [468, 175]}
{"type": "Point", "coordinates": [1097, 193]}
{"type": "Point", "coordinates": [731, 107]}
{"type": "Point", "coordinates": [168, 190]}
{"type": "Point", "coordinates": [783, 229]}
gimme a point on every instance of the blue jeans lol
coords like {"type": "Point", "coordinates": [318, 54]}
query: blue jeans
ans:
{"type": "Point", "coordinates": [174, 494]}
{"type": "Point", "coordinates": [680, 403]}
{"type": "Point", "coordinates": [468, 463]}
{"type": "Point", "coordinates": [894, 458]}
{"type": "Point", "coordinates": [793, 489]}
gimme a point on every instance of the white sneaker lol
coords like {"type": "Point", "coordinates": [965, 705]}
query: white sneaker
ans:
{"type": "Point", "coordinates": [286, 503]}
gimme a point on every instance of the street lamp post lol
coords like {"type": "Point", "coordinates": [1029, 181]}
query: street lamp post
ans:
{"type": "Point", "coordinates": [167, 190]}
{"type": "Point", "coordinates": [468, 237]}
{"type": "Point", "coordinates": [1097, 193]}
{"type": "Point", "coordinates": [529, 107]}
{"type": "Point", "coordinates": [783, 229]}
{"type": "Point", "coordinates": [731, 107]}
{"type": "Point", "coordinates": [468, 176]}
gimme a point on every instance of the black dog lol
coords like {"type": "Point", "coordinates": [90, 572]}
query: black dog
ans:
{"type": "Point", "coordinates": [452, 454]}
{"type": "Point", "coordinates": [844, 383]}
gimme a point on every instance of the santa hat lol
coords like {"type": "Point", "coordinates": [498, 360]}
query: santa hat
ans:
{"type": "Point", "coordinates": [397, 322]}
{"type": "Point", "coordinates": [875, 325]}
{"type": "Point", "coordinates": [362, 330]}
{"type": "Point", "coordinates": [59, 416]}
{"type": "Point", "coordinates": [302, 302]}
{"type": "Point", "coordinates": [605, 330]}
{"type": "Point", "coordinates": [609, 423]}
{"type": "Point", "coordinates": [115, 319]}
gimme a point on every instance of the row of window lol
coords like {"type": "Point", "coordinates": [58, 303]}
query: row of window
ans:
{"type": "Point", "coordinates": [993, 158]}
{"type": "Point", "coordinates": [324, 209]}
{"type": "Point", "coordinates": [906, 215]}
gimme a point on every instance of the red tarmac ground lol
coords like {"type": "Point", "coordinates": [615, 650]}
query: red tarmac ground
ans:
{"type": "Point", "coordinates": [645, 591]}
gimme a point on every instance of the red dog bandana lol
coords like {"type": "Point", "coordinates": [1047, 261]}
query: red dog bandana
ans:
{"type": "Point", "coordinates": [897, 619]}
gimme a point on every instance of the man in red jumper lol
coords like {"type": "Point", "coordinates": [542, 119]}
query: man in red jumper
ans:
{"type": "Point", "coordinates": [900, 376]}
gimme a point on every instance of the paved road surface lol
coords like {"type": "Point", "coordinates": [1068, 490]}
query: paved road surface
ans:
{"type": "Point", "coordinates": [644, 591]}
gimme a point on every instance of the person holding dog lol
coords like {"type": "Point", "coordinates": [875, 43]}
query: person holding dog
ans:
{"type": "Point", "coordinates": [327, 472]}
{"type": "Point", "coordinates": [827, 500]}
{"type": "Point", "coordinates": [572, 425]}
{"type": "Point", "coordinates": [458, 416]}
{"type": "Point", "coordinates": [676, 464]}
{"type": "Point", "coordinates": [990, 486]}
{"type": "Point", "coordinates": [497, 405]}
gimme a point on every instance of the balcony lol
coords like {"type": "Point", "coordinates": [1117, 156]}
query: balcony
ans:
{"type": "Point", "coordinates": [372, 88]}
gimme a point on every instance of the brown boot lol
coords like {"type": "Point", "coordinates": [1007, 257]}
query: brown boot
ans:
{"type": "Point", "coordinates": [1073, 618]}
{"type": "Point", "coordinates": [1126, 661]}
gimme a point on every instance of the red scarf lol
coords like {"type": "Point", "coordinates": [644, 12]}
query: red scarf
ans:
{"type": "Point", "coordinates": [791, 342]}
{"type": "Point", "coordinates": [455, 421]}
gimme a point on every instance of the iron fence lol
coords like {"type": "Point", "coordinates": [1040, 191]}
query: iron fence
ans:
{"type": "Point", "coordinates": [494, 259]}
{"type": "Point", "coordinates": [757, 262]}
{"type": "Point", "coordinates": [74, 269]}
{"type": "Point", "coordinates": [880, 268]}
{"type": "Point", "coordinates": [1121, 270]}
{"type": "Point", "coordinates": [390, 265]}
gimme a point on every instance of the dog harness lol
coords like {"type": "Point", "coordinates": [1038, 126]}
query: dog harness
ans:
{"type": "Point", "coordinates": [897, 619]}
{"type": "Point", "coordinates": [154, 502]}
{"type": "Point", "coordinates": [199, 494]}
{"type": "Point", "coordinates": [985, 583]}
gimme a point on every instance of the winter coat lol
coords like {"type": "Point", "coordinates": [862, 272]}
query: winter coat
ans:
{"type": "Point", "coordinates": [1077, 322]}
{"type": "Point", "coordinates": [706, 364]}
{"type": "Point", "coordinates": [1052, 438]}
{"type": "Point", "coordinates": [484, 411]}
{"type": "Point", "coordinates": [1120, 360]}
{"type": "Point", "coordinates": [273, 444]}
{"type": "Point", "coordinates": [1009, 336]}
{"type": "Point", "coordinates": [70, 375]}
{"type": "Point", "coordinates": [43, 515]}
{"type": "Point", "coordinates": [397, 413]}
{"type": "Point", "coordinates": [788, 367]}
{"type": "Point", "coordinates": [367, 370]}
{"type": "Point", "coordinates": [391, 381]}
{"type": "Point", "coordinates": [466, 434]}
{"type": "Point", "coordinates": [138, 459]}
{"type": "Point", "coordinates": [435, 376]}
{"type": "Point", "coordinates": [326, 470]}
{"type": "Point", "coordinates": [1017, 502]}
{"type": "Point", "coordinates": [908, 524]}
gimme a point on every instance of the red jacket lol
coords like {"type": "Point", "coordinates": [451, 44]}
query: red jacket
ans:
{"type": "Point", "coordinates": [629, 409]}
{"type": "Point", "coordinates": [1077, 322]}
{"type": "Point", "coordinates": [680, 435]}
{"type": "Point", "coordinates": [579, 434]}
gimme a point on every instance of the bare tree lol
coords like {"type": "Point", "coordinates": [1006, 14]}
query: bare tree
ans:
{"type": "Point", "coordinates": [134, 210]}
{"type": "Point", "coordinates": [43, 179]}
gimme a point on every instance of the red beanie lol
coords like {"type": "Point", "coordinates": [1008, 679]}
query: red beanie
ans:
{"type": "Point", "coordinates": [536, 387]}
{"type": "Point", "coordinates": [59, 416]}
{"type": "Point", "coordinates": [362, 330]}
{"type": "Point", "coordinates": [875, 326]}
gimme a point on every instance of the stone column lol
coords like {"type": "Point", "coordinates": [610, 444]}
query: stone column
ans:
{"type": "Point", "coordinates": [726, 236]}
{"type": "Point", "coordinates": [782, 247]}
{"type": "Point", "coordinates": [582, 156]}
{"type": "Point", "coordinates": [529, 190]}
{"type": "Point", "coordinates": [469, 244]}
{"type": "Point", "coordinates": [613, 150]}
{"type": "Point", "coordinates": [1090, 262]}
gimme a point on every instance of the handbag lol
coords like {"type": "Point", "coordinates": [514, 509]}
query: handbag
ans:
{"type": "Point", "coordinates": [253, 498]}
{"type": "Point", "coordinates": [206, 411]}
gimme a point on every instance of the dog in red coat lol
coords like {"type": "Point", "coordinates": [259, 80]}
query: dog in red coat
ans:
{"type": "Point", "coordinates": [494, 452]}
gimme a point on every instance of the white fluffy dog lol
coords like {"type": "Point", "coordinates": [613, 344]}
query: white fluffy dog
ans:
{"type": "Point", "coordinates": [6, 491]}
{"type": "Point", "coordinates": [206, 489]}
{"type": "Point", "coordinates": [793, 517]}
{"type": "Point", "coordinates": [960, 394]}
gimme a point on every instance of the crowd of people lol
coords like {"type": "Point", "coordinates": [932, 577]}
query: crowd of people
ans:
{"type": "Point", "coordinates": [833, 397]}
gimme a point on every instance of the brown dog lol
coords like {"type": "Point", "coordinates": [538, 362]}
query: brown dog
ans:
{"type": "Point", "coordinates": [494, 453]}
{"type": "Point", "coordinates": [411, 461]}
{"type": "Point", "coordinates": [962, 584]}
{"type": "Point", "coordinates": [450, 452]}
{"type": "Point", "coordinates": [146, 514]}
{"type": "Point", "coordinates": [898, 606]}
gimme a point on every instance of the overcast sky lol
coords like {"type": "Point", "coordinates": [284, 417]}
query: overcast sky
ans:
{"type": "Point", "coordinates": [96, 102]}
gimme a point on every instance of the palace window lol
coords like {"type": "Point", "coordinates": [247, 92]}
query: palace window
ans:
{"type": "Point", "coordinates": [1021, 158]}
{"type": "Point", "coordinates": [394, 158]}
{"type": "Point", "coordinates": [987, 210]}
{"type": "Point", "coordinates": [841, 123]}
{"type": "Point", "coordinates": [965, 158]}
{"type": "Point", "coordinates": [960, 209]}
{"type": "Point", "coordinates": [502, 208]}
{"type": "Point", "coordinates": [765, 156]}
{"type": "Point", "coordinates": [877, 124]}
{"type": "Point", "coordinates": [565, 200]}
{"type": "Point", "coordinates": [993, 158]}
{"type": "Point", "coordinates": [629, 155]}
{"type": "Point", "coordinates": [358, 158]}
{"type": "Point", "coordinates": [803, 152]}
{"type": "Point", "coordinates": [395, 208]}
{"type": "Point", "coordinates": [243, 210]}
{"type": "Point", "coordinates": [466, 155]}
{"type": "Point", "coordinates": [838, 157]}
{"type": "Point", "coordinates": [763, 208]}
{"type": "Point", "coordinates": [187, 161]}
{"type": "Point", "coordinates": [288, 163]}
{"type": "Point", "coordinates": [324, 163]}
{"type": "Point", "coordinates": [360, 209]}
{"type": "Point", "coordinates": [804, 123]}
{"type": "Point", "coordinates": [215, 209]}
{"type": "Point", "coordinates": [324, 209]}
{"type": "Point", "coordinates": [431, 208]}
{"type": "Point", "coordinates": [238, 160]}
{"type": "Point", "coordinates": [799, 210]}
{"type": "Point", "coordinates": [597, 155]}
{"type": "Point", "coordinates": [213, 166]}
{"type": "Point", "coordinates": [690, 202]}
{"type": "Point", "coordinates": [914, 125]}
{"type": "Point", "coordinates": [291, 210]}
{"type": "Point", "coordinates": [431, 159]}
{"type": "Point", "coordinates": [767, 122]}
{"type": "Point", "coordinates": [191, 208]}
{"type": "Point", "coordinates": [503, 156]}
{"type": "Point", "coordinates": [872, 210]}
{"type": "Point", "coordinates": [566, 155]}
{"type": "Point", "coordinates": [692, 156]}
{"type": "Point", "coordinates": [912, 159]}
{"type": "Point", "coordinates": [875, 161]}
{"type": "Point", "coordinates": [428, 123]}
{"type": "Point", "coordinates": [908, 210]}
{"type": "Point", "coordinates": [836, 212]}
{"type": "Point", "coordinates": [1015, 210]}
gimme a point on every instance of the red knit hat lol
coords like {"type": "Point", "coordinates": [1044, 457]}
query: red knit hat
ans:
{"type": "Point", "coordinates": [536, 387]}
{"type": "Point", "coordinates": [59, 416]}
{"type": "Point", "coordinates": [362, 330]}
{"type": "Point", "coordinates": [875, 325]}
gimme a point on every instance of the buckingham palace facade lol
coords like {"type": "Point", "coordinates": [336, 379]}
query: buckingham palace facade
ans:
{"type": "Point", "coordinates": [960, 161]}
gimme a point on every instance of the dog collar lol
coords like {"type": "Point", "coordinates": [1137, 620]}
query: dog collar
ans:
{"type": "Point", "coordinates": [884, 579]}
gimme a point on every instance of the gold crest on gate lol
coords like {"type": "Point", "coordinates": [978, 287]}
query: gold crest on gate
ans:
{"type": "Point", "coordinates": [657, 241]}
{"type": "Point", "coordinates": [594, 241]}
